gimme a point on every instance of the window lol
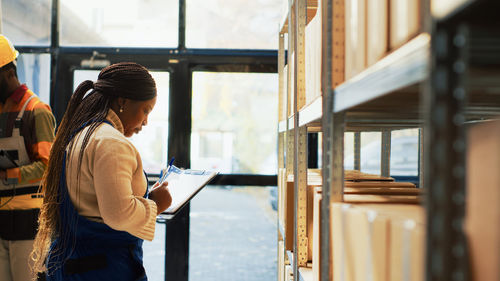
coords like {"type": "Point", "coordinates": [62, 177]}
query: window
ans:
{"type": "Point", "coordinates": [234, 122]}
{"type": "Point", "coordinates": [154, 254]}
{"type": "Point", "coordinates": [233, 235]}
{"type": "Point", "coordinates": [152, 141]}
{"type": "Point", "coordinates": [116, 23]}
{"type": "Point", "coordinates": [235, 24]}
{"type": "Point", "coordinates": [404, 152]}
{"type": "Point", "coordinates": [34, 71]}
{"type": "Point", "coordinates": [26, 22]}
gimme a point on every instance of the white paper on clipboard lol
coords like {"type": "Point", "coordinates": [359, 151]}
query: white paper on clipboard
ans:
{"type": "Point", "coordinates": [184, 185]}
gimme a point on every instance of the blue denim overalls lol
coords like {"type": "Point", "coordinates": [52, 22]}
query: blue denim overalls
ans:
{"type": "Point", "coordinates": [88, 250]}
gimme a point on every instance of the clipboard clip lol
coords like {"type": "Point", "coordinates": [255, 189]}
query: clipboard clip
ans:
{"type": "Point", "coordinates": [168, 170]}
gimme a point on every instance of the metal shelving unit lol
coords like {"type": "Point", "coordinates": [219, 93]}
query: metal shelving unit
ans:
{"type": "Point", "coordinates": [439, 81]}
{"type": "Point", "coordinates": [463, 86]}
{"type": "Point", "coordinates": [292, 130]}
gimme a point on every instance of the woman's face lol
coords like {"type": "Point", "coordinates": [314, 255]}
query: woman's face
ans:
{"type": "Point", "coordinates": [135, 115]}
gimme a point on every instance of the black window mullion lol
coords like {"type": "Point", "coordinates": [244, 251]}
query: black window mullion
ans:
{"type": "Point", "coordinates": [54, 52]}
{"type": "Point", "coordinates": [182, 25]}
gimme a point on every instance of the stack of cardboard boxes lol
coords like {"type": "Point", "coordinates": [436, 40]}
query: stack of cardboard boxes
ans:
{"type": "Point", "coordinates": [373, 28]}
{"type": "Point", "coordinates": [482, 224]}
{"type": "Point", "coordinates": [379, 226]}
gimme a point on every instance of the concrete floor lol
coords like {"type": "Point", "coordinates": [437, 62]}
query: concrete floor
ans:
{"type": "Point", "coordinates": [232, 237]}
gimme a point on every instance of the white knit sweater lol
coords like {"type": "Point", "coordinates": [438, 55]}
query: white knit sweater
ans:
{"type": "Point", "coordinates": [112, 182]}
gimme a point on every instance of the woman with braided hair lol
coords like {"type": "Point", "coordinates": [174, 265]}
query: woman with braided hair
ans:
{"type": "Point", "coordinates": [97, 209]}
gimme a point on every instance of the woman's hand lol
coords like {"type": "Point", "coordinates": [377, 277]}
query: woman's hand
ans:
{"type": "Point", "coordinates": [160, 194]}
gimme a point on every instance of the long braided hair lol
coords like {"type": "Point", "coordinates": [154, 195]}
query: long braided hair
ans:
{"type": "Point", "coordinates": [88, 107]}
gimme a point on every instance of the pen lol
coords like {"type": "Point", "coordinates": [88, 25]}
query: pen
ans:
{"type": "Point", "coordinates": [167, 170]}
{"type": "Point", "coordinates": [171, 162]}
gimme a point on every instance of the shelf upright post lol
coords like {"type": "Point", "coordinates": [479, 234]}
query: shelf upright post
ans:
{"type": "Point", "coordinates": [281, 106]}
{"type": "Point", "coordinates": [281, 145]}
{"type": "Point", "coordinates": [332, 53]}
{"type": "Point", "coordinates": [337, 164]}
{"type": "Point", "coordinates": [357, 151]}
{"type": "Point", "coordinates": [421, 153]}
{"type": "Point", "coordinates": [300, 141]}
{"type": "Point", "coordinates": [289, 133]}
{"type": "Point", "coordinates": [446, 257]}
{"type": "Point", "coordinates": [300, 185]}
{"type": "Point", "coordinates": [385, 155]}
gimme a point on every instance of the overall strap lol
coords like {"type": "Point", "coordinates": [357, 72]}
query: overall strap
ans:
{"type": "Point", "coordinates": [21, 113]}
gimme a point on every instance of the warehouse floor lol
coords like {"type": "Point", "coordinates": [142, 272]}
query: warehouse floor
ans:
{"type": "Point", "coordinates": [233, 237]}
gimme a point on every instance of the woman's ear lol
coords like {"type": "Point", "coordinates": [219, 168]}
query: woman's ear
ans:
{"type": "Point", "coordinates": [121, 102]}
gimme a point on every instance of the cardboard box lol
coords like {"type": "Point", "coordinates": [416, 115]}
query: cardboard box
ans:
{"type": "Point", "coordinates": [355, 37]}
{"type": "Point", "coordinates": [281, 261]}
{"type": "Point", "coordinates": [356, 244]}
{"type": "Point", "coordinates": [366, 240]}
{"type": "Point", "coordinates": [482, 225]}
{"type": "Point", "coordinates": [405, 22]}
{"type": "Point", "coordinates": [406, 246]}
{"type": "Point", "coordinates": [339, 246]}
{"type": "Point", "coordinates": [374, 241]}
{"type": "Point", "coordinates": [281, 190]}
{"type": "Point", "coordinates": [316, 260]}
{"type": "Point", "coordinates": [284, 95]}
{"type": "Point", "coordinates": [407, 250]}
{"type": "Point", "coordinates": [417, 255]}
{"type": "Point", "coordinates": [288, 273]}
{"type": "Point", "coordinates": [379, 226]}
{"type": "Point", "coordinates": [377, 30]}
{"type": "Point", "coordinates": [313, 48]}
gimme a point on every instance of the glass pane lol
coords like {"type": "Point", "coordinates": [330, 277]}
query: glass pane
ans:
{"type": "Point", "coordinates": [404, 152]}
{"type": "Point", "coordinates": [154, 255]}
{"type": "Point", "coordinates": [235, 24]}
{"type": "Point", "coordinates": [27, 22]}
{"type": "Point", "coordinates": [320, 150]}
{"type": "Point", "coordinates": [34, 71]}
{"type": "Point", "coordinates": [233, 235]}
{"type": "Point", "coordinates": [130, 23]}
{"type": "Point", "coordinates": [152, 141]}
{"type": "Point", "coordinates": [370, 152]}
{"type": "Point", "coordinates": [234, 127]}
{"type": "Point", "coordinates": [349, 151]}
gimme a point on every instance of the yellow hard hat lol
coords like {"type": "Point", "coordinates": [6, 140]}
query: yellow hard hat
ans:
{"type": "Point", "coordinates": [7, 52]}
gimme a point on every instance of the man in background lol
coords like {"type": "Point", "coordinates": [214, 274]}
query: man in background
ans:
{"type": "Point", "coordinates": [27, 128]}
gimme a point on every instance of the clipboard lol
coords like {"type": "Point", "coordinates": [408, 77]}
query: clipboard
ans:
{"type": "Point", "coordinates": [6, 160]}
{"type": "Point", "coordinates": [183, 186]}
